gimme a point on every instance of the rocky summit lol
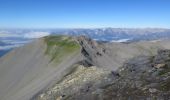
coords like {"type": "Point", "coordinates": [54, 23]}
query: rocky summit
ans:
{"type": "Point", "coordinates": [62, 67]}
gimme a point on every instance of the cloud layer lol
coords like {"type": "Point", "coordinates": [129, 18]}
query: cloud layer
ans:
{"type": "Point", "coordinates": [36, 34]}
{"type": "Point", "coordinates": [7, 47]}
{"type": "Point", "coordinates": [14, 39]}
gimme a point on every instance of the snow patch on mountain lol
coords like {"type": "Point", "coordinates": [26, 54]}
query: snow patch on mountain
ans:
{"type": "Point", "coordinates": [121, 40]}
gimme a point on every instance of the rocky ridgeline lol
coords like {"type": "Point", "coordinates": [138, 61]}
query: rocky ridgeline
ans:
{"type": "Point", "coordinates": [79, 68]}
{"type": "Point", "coordinates": [140, 78]}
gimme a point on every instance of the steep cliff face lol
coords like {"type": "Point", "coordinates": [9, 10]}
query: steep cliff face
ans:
{"type": "Point", "coordinates": [51, 66]}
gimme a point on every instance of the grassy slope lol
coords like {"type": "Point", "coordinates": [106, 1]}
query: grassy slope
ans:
{"type": "Point", "coordinates": [59, 46]}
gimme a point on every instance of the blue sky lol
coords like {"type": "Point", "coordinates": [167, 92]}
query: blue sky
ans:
{"type": "Point", "coordinates": [84, 13]}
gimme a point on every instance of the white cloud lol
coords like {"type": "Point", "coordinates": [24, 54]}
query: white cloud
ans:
{"type": "Point", "coordinates": [36, 34]}
{"type": "Point", "coordinates": [7, 47]}
{"type": "Point", "coordinates": [6, 34]}
{"type": "Point", "coordinates": [8, 41]}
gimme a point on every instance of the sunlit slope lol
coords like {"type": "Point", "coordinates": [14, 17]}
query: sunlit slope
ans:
{"type": "Point", "coordinates": [27, 70]}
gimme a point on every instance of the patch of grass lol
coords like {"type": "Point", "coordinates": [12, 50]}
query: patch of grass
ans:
{"type": "Point", "coordinates": [59, 46]}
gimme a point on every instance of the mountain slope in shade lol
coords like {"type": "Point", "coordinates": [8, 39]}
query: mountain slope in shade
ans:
{"type": "Point", "coordinates": [65, 62]}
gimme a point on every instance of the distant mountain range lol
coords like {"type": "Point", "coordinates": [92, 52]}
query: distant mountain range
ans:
{"type": "Point", "coordinates": [110, 34]}
{"type": "Point", "coordinates": [12, 38]}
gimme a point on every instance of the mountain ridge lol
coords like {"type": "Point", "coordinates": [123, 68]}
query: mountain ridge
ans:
{"type": "Point", "coordinates": [39, 64]}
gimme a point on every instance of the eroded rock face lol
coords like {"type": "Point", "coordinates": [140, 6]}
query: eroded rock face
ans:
{"type": "Point", "coordinates": [95, 53]}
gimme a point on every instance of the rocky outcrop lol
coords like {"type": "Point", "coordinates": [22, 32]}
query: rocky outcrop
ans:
{"type": "Point", "coordinates": [95, 53]}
